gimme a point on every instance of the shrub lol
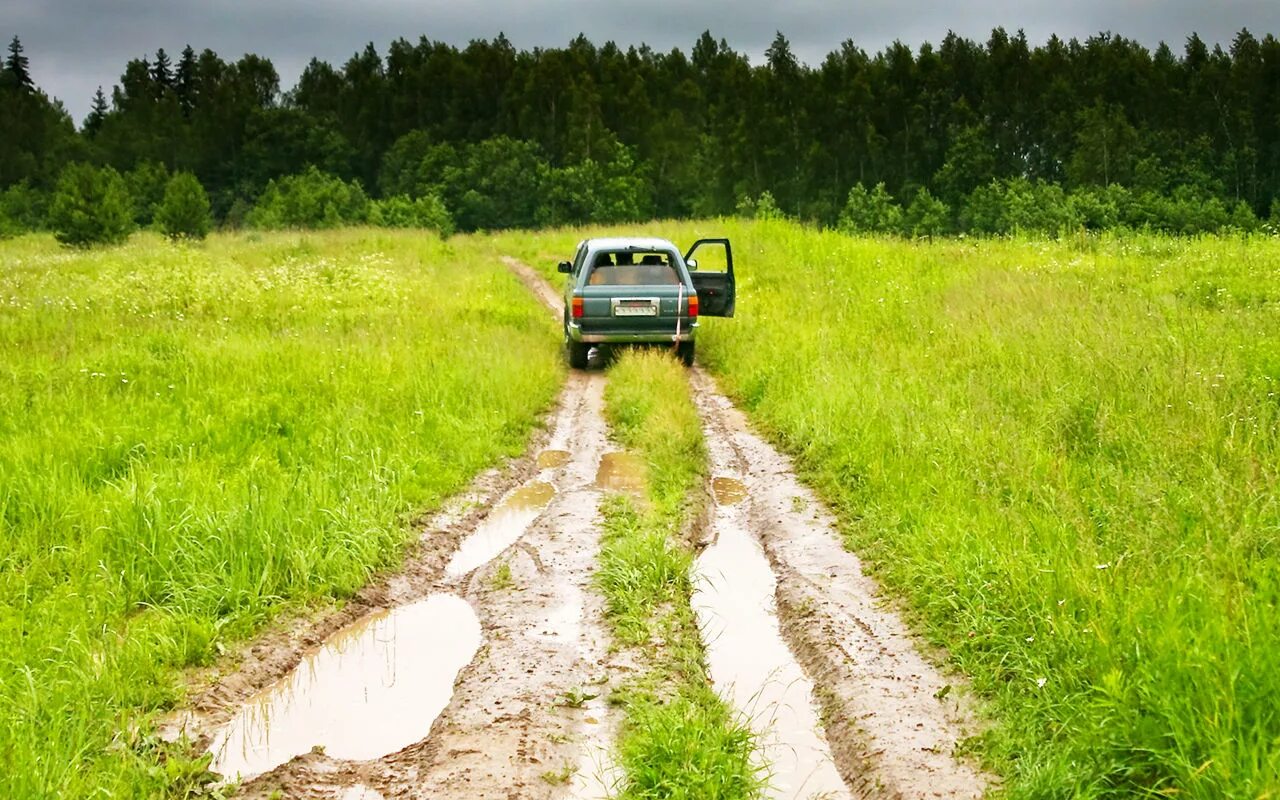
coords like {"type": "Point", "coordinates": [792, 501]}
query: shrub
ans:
{"type": "Point", "coordinates": [22, 209]}
{"type": "Point", "coordinates": [399, 211]}
{"type": "Point", "coordinates": [312, 199]}
{"type": "Point", "coordinates": [870, 212]}
{"type": "Point", "coordinates": [184, 211]}
{"type": "Point", "coordinates": [91, 206]}
{"type": "Point", "coordinates": [147, 183]}
{"type": "Point", "coordinates": [926, 216]}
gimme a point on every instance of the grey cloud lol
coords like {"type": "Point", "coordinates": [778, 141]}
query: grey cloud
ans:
{"type": "Point", "coordinates": [75, 45]}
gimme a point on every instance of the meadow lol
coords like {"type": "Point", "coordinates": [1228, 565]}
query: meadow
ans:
{"type": "Point", "coordinates": [1060, 457]}
{"type": "Point", "coordinates": [195, 440]}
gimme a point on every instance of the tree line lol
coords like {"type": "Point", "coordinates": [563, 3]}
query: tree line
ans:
{"type": "Point", "coordinates": [976, 136]}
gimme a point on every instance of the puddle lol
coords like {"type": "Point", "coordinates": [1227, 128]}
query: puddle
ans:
{"type": "Point", "coordinates": [728, 491]}
{"type": "Point", "coordinates": [501, 528]}
{"type": "Point", "coordinates": [752, 667]}
{"type": "Point", "coordinates": [371, 689]}
{"type": "Point", "coordinates": [552, 459]}
{"type": "Point", "coordinates": [621, 472]}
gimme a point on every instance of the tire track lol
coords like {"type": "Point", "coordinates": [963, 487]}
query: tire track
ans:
{"type": "Point", "coordinates": [890, 734]}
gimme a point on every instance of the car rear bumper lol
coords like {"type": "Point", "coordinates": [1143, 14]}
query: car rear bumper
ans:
{"type": "Point", "coordinates": [631, 337]}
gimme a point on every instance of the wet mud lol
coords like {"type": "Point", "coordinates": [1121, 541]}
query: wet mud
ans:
{"type": "Point", "coordinates": [370, 689]}
{"type": "Point", "coordinates": [889, 733]}
{"type": "Point", "coordinates": [621, 472]}
{"type": "Point", "coordinates": [748, 660]}
{"type": "Point", "coordinates": [504, 525]}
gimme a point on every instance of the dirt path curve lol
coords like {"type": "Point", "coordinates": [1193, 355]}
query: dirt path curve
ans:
{"type": "Point", "coordinates": [890, 736]}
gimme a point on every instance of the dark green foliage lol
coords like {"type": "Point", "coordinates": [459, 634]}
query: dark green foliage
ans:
{"type": "Point", "coordinates": [184, 211]}
{"type": "Point", "coordinates": [91, 205]}
{"type": "Point", "coordinates": [22, 209]}
{"type": "Point", "coordinates": [586, 133]}
{"type": "Point", "coordinates": [311, 199]}
{"type": "Point", "coordinates": [147, 183]}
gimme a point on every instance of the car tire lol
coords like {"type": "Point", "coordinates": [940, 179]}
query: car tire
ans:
{"type": "Point", "coordinates": [684, 350]}
{"type": "Point", "coordinates": [577, 352]}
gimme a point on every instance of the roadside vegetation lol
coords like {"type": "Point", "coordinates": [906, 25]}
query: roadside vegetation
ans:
{"type": "Point", "coordinates": [678, 739]}
{"type": "Point", "coordinates": [194, 439]}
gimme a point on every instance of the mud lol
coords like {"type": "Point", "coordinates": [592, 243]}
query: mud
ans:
{"type": "Point", "coordinates": [728, 491]}
{"type": "Point", "coordinates": [372, 688]}
{"type": "Point", "coordinates": [553, 459]}
{"type": "Point", "coordinates": [748, 660]}
{"type": "Point", "coordinates": [504, 525]}
{"type": "Point", "coordinates": [519, 714]}
{"type": "Point", "coordinates": [621, 472]}
{"type": "Point", "coordinates": [890, 735]}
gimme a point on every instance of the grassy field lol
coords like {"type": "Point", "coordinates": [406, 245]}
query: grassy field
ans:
{"type": "Point", "coordinates": [1062, 457]}
{"type": "Point", "coordinates": [193, 439]}
{"type": "Point", "coordinates": [679, 740]}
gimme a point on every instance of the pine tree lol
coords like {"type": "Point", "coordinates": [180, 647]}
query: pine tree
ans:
{"type": "Point", "coordinates": [17, 65]}
{"type": "Point", "coordinates": [162, 72]}
{"type": "Point", "coordinates": [187, 78]}
{"type": "Point", "coordinates": [91, 206]}
{"type": "Point", "coordinates": [97, 114]}
{"type": "Point", "coordinates": [184, 212]}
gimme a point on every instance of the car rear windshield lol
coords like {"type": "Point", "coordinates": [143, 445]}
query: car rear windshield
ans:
{"type": "Point", "coordinates": [633, 268]}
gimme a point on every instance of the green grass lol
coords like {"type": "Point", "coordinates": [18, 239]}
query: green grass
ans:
{"type": "Point", "coordinates": [193, 439]}
{"type": "Point", "coordinates": [1063, 457]}
{"type": "Point", "coordinates": [679, 740]}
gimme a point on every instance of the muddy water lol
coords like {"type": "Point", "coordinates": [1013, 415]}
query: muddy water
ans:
{"type": "Point", "coordinates": [501, 528]}
{"type": "Point", "coordinates": [750, 663]}
{"type": "Point", "coordinates": [553, 459]}
{"type": "Point", "coordinates": [621, 472]}
{"type": "Point", "coordinates": [728, 491]}
{"type": "Point", "coordinates": [372, 688]}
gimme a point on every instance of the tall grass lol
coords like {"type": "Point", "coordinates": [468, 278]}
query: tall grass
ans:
{"type": "Point", "coordinates": [679, 740]}
{"type": "Point", "coordinates": [193, 438]}
{"type": "Point", "coordinates": [1063, 457]}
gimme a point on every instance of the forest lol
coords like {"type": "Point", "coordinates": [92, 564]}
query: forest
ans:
{"type": "Point", "coordinates": [984, 137]}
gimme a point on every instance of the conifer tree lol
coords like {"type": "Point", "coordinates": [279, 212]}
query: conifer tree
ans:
{"type": "Point", "coordinates": [18, 67]}
{"type": "Point", "coordinates": [97, 114]}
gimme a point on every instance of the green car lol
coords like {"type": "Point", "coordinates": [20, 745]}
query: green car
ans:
{"type": "Point", "coordinates": [643, 291]}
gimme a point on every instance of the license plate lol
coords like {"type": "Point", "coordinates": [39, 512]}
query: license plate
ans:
{"type": "Point", "coordinates": [647, 310]}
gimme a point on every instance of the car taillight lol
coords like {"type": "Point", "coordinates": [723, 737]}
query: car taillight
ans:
{"type": "Point", "coordinates": [693, 305]}
{"type": "Point", "coordinates": [577, 308]}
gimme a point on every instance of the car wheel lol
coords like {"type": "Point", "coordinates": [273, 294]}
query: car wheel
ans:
{"type": "Point", "coordinates": [685, 351]}
{"type": "Point", "coordinates": [577, 353]}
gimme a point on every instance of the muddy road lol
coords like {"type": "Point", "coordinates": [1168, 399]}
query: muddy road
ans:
{"type": "Point", "coordinates": [483, 668]}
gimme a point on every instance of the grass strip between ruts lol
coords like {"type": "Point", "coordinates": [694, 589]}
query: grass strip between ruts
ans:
{"type": "Point", "coordinates": [678, 738]}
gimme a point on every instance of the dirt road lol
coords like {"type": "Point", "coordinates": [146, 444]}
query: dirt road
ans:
{"type": "Point", "coordinates": [482, 669]}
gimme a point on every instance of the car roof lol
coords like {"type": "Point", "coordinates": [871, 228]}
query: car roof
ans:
{"type": "Point", "coordinates": [630, 243]}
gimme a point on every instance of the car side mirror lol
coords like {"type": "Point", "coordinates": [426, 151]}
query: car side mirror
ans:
{"type": "Point", "coordinates": [692, 263]}
{"type": "Point", "coordinates": [566, 267]}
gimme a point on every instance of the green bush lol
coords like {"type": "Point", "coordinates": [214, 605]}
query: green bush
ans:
{"type": "Point", "coordinates": [22, 209]}
{"type": "Point", "coordinates": [184, 211]}
{"type": "Point", "coordinates": [147, 183]}
{"type": "Point", "coordinates": [926, 216]}
{"type": "Point", "coordinates": [400, 211]}
{"type": "Point", "coordinates": [870, 212]}
{"type": "Point", "coordinates": [91, 206]}
{"type": "Point", "coordinates": [312, 199]}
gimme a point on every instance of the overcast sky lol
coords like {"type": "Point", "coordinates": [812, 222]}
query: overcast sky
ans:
{"type": "Point", "coordinates": [75, 45]}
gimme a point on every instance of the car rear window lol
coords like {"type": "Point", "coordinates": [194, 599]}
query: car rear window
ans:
{"type": "Point", "coordinates": [633, 268]}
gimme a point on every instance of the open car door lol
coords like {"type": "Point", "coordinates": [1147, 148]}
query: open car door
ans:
{"type": "Point", "coordinates": [715, 287]}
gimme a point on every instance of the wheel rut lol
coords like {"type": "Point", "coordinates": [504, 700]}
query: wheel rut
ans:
{"type": "Point", "coordinates": [889, 734]}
